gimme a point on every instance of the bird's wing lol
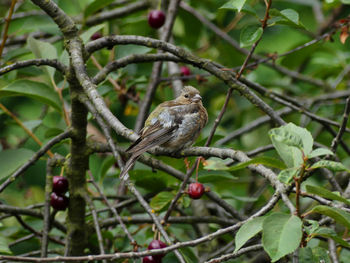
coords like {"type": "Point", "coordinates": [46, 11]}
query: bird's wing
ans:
{"type": "Point", "coordinates": [153, 136]}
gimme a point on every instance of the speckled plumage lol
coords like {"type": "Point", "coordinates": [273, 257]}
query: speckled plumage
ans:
{"type": "Point", "coordinates": [173, 125]}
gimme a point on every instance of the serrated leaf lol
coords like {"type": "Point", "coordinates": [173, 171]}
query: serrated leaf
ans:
{"type": "Point", "coordinates": [43, 49]}
{"type": "Point", "coordinates": [286, 176]}
{"type": "Point", "coordinates": [88, 33]}
{"type": "Point", "coordinates": [247, 231]}
{"type": "Point", "coordinates": [330, 233]}
{"type": "Point", "coordinates": [35, 90]}
{"type": "Point", "coordinates": [337, 214]}
{"type": "Point", "coordinates": [249, 35]}
{"type": "Point", "coordinates": [281, 234]}
{"type": "Point", "coordinates": [161, 201]}
{"type": "Point", "coordinates": [319, 152]}
{"type": "Point", "coordinates": [264, 160]}
{"type": "Point", "coordinates": [234, 4]}
{"type": "Point", "coordinates": [95, 6]}
{"type": "Point", "coordinates": [11, 160]}
{"type": "Point", "coordinates": [331, 165]}
{"type": "Point", "coordinates": [323, 192]}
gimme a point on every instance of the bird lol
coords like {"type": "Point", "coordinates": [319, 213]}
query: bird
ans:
{"type": "Point", "coordinates": [173, 125]}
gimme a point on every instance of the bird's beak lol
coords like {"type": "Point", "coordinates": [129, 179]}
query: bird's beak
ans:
{"type": "Point", "coordinates": [196, 98]}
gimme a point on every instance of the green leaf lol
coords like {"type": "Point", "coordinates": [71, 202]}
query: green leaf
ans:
{"type": "Point", "coordinates": [161, 201]}
{"type": "Point", "coordinates": [4, 248]}
{"type": "Point", "coordinates": [247, 231]}
{"type": "Point", "coordinates": [95, 6]}
{"type": "Point", "coordinates": [36, 90]}
{"type": "Point", "coordinates": [88, 33]}
{"type": "Point", "coordinates": [337, 214]}
{"type": "Point", "coordinates": [323, 192]}
{"type": "Point", "coordinates": [291, 15]}
{"type": "Point", "coordinates": [281, 234]}
{"type": "Point", "coordinates": [331, 165]}
{"type": "Point", "coordinates": [330, 233]}
{"type": "Point", "coordinates": [264, 160]}
{"type": "Point", "coordinates": [285, 17]}
{"type": "Point", "coordinates": [234, 4]}
{"type": "Point", "coordinates": [286, 176]}
{"type": "Point", "coordinates": [149, 180]}
{"type": "Point", "coordinates": [249, 35]}
{"type": "Point", "coordinates": [347, 2]}
{"type": "Point", "coordinates": [319, 152]}
{"type": "Point", "coordinates": [313, 255]}
{"type": "Point", "coordinates": [43, 49]}
{"type": "Point", "coordinates": [11, 160]}
{"type": "Point", "coordinates": [215, 164]}
{"type": "Point", "coordinates": [215, 176]}
{"type": "Point", "coordinates": [293, 135]}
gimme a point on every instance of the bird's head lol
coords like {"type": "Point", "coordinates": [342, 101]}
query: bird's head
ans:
{"type": "Point", "coordinates": [189, 95]}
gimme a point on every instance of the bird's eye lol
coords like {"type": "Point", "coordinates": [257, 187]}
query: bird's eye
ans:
{"type": "Point", "coordinates": [186, 96]}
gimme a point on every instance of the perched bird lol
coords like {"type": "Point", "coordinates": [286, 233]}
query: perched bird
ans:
{"type": "Point", "coordinates": [173, 125]}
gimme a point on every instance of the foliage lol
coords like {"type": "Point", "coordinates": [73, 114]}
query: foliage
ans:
{"type": "Point", "coordinates": [288, 197]}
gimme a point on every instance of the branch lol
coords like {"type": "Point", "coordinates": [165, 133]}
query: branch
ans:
{"type": "Point", "coordinates": [235, 254]}
{"type": "Point", "coordinates": [270, 204]}
{"type": "Point", "coordinates": [6, 27]}
{"type": "Point", "coordinates": [191, 59]}
{"type": "Point", "coordinates": [134, 58]}
{"type": "Point", "coordinates": [35, 62]}
{"type": "Point", "coordinates": [117, 13]}
{"type": "Point", "coordinates": [341, 131]}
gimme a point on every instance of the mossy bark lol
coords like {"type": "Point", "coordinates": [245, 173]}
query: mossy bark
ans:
{"type": "Point", "coordinates": [76, 174]}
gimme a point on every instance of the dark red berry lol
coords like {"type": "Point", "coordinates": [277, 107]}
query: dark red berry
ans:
{"type": "Point", "coordinates": [58, 202]}
{"type": "Point", "coordinates": [185, 71]}
{"type": "Point", "coordinates": [156, 18]}
{"type": "Point", "coordinates": [59, 185]}
{"type": "Point", "coordinates": [96, 35]}
{"type": "Point", "coordinates": [157, 244]}
{"type": "Point", "coordinates": [150, 259]}
{"type": "Point", "coordinates": [195, 190]}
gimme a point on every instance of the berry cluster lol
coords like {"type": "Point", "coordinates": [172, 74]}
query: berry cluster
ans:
{"type": "Point", "coordinates": [155, 244]}
{"type": "Point", "coordinates": [59, 187]}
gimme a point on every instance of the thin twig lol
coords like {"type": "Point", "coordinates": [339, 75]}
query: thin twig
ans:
{"type": "Point", "coordinates": [20, 123]}
{"type": "Point", "coordinates": [341, 131]}
{"type": "Point", "coordinates": [6, 27]}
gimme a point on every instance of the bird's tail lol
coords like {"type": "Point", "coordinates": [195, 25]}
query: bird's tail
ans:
{"type": "Point", "coordinates": [124, 174]}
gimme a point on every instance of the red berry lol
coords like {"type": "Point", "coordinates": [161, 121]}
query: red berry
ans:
{"type": "Point", "coordinates": [60, 184]}
{"type": "Point", "coordinates": [58, 202]}
{"type": "Point", "coordinates": [150, 259]}
{"type": "Point", "coordinates": [156, 18]}
{"type": "Point", "coordinates": [157, 244]}
{"type": "Point", "coordinates": [96, 35]}
{"type": "Point", "coordinates": [195, 190]}
{"type": "Point", "coordinates": [185, 71]}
